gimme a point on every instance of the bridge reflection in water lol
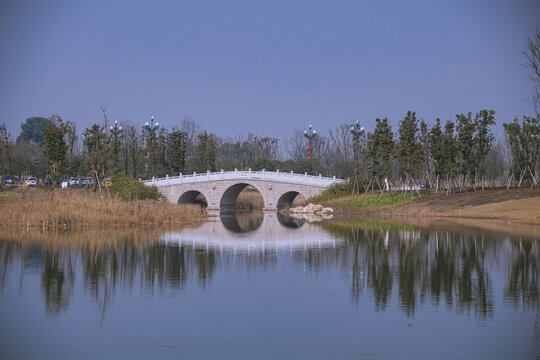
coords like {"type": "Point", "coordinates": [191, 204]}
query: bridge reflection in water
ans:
{"type": "Point", "coordinates": [251, 231]}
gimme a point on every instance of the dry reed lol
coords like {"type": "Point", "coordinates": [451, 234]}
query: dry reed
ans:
{"type": "Point", "coordinates": [61, 208]}
{"type": "Point", "coordinates": [249, 200]}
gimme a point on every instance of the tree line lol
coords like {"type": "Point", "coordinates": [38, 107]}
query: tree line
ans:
{"type": "Point", "coordinates": [462, 148]}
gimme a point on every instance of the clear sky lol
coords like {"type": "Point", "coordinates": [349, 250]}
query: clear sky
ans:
{"type": "Point", "coordinates": [265, 67]}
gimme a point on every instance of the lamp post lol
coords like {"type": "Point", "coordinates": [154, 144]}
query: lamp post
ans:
{"type": "Point", "coordinates": [151, 127]}
{"type": "Point", "coordinates": [310, 135]}
{"type": "Point", "coordinates": [37, 179]}
{"type": "Point", "coordinates": [116, 131]}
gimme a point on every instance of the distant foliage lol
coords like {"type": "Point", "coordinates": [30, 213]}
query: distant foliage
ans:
{"type": "Point", "coordinates": [32, 130]}
{"type": "Point", "coordinates": [132, 189]}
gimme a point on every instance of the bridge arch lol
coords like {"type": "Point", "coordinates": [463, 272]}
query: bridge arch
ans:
{"type": "Point", "coordinates": [193, 195]}
{"type": "Point", "coordinates": [229, 196]}
{"type": "Point", "coordinates": [286, 199]}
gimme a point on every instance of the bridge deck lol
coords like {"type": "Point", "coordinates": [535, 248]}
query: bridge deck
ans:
{"type": "Point", "coordinates": [278, 176]}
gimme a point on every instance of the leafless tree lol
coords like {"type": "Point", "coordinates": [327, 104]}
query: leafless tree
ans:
{"type": "Point", "coordinates": [192, 129]}
{"type": "Point", "coordinates": [532, 54]}
{"type": "Point", "coordinates": [295, 146]}
{"type": "Point", "coordinates": [340, 143]}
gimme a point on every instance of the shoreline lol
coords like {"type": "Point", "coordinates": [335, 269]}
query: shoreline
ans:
{"type": "Point", "coordinates": [514, 206]}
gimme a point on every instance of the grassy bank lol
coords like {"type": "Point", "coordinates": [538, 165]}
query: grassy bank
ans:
{"type": "Point", "coordinates": [67, 208]}
{"type": "Point", "coordinates": [368, 202]}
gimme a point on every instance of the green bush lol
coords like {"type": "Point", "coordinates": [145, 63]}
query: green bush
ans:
{"type": "Point", "coordinates": [334, 191]}
{"type": "Point", "coordinates": [131, 189]}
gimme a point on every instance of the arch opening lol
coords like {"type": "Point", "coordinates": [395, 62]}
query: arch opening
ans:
{"type": "Point", "coordinates": [193, 197]}
{"type": "Point", "coordinates": [242, 196]}
{"type": "Point", "coordinates": [290, 199]}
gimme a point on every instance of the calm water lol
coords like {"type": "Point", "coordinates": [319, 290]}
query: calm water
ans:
{"type": "Point", "coordinates": [265, 287]}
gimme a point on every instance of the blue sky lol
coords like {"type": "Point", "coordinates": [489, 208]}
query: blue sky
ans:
{"type": "Point", "coordinates": [263, 67]}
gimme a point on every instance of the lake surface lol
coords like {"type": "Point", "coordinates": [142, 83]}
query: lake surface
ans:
{"type": "Point", "coordinates": [261, 286]}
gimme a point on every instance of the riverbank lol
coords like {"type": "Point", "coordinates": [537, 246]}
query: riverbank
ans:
{"type": "Point", "coordinates": [520, 206]}
{"type": "Point", "coordinates": [83, 208]}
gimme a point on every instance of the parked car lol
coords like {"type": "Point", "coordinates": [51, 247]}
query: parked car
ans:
{"type": "Point", "coordinates": [73, 181]}
{"type": "Point", "coordinates": [47, 182]}
{"type": "Point", "coordinates": [105, 182]}
{"type": "Point", "coordinates": [84, 182]}
{"type": "Point", "coordinates": [31, 182]}
{"type": "Point", "coordinates": [8, 180]}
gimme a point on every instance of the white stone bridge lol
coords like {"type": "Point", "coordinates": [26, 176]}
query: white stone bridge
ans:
{"type": "Point", "coordinates": [221, 189]}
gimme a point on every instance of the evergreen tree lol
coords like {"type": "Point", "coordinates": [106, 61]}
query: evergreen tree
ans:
{"type": "Point", "coordinates": [436, 148]}
{"type": "Point", "coordinates": [449, 150]}
{"type": "Point", "coordinates": [408, 146]}
{"type": "Point", "coordinates": [424, 148]}
{"type": "Point", "coordinates": [176, 151]}
{"type": "Point", "coordinates": [205, 153]}
{"type": "Point", "coordinates": [158, 157]}
{"type": "Point", "coordinates": [483, 140]}
{"type": "Point", "coordinates": [55, 144]}
{"type": "Point", "coordinates": [32, 130]}
{"type": "Point", "coordinates": [466, 144]}
{"type": "Point", "coordinates": [381, 148]}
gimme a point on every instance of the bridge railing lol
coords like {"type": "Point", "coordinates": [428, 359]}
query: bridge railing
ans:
{"type": "Point", "coordinates": [248, 175]}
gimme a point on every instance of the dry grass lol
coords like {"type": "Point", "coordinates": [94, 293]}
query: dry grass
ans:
{"type": "Point", "coordinates": [61, 208]}
{"type": "Point", "coordinates": [249, 199]}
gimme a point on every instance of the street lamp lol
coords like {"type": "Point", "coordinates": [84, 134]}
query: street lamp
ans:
{"type": "Point", "coordinates": [151, 127]}
{"type": "Point", "coordinates": [37, 179]}
{"type": "Point", "coordinates": [116, 130]}
{"type": "Point", "coordinates": [310, 135]}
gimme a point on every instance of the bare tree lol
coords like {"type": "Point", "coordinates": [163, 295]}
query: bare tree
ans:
{"type": "Point", "coordinates": [340, 143]}
{"type": "Point", "coordinates": [532, 53]}
{"type": "Point", "coordinates": [295, 146]}
{"type": "Point", "coordinates": [192, 129]}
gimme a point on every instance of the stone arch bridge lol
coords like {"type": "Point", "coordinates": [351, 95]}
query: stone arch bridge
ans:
{"type": "Point", "coordinates": [221, 189]}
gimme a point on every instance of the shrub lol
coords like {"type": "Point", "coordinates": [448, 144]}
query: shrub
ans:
{"type": "Point", "coordinates": [132, 189]}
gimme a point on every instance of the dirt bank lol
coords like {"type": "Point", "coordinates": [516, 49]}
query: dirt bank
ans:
{"type": "Point", "coordinates": [521, 206]}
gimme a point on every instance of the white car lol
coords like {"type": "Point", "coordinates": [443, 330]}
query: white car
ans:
{"type": "Point", "coordinates": [31, 182]}
{"type": "Point", "coordinates": [73, 181]}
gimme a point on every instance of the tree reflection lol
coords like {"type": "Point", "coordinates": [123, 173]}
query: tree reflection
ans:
{"type": "Point", "coordinates": [523, 279]}
{"type": "Point", "coordinates": [423, 265]}
{"type": "Point", "coordinates": [57, 281]}
{"type": "Point", "coordinates": [380, 260]}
